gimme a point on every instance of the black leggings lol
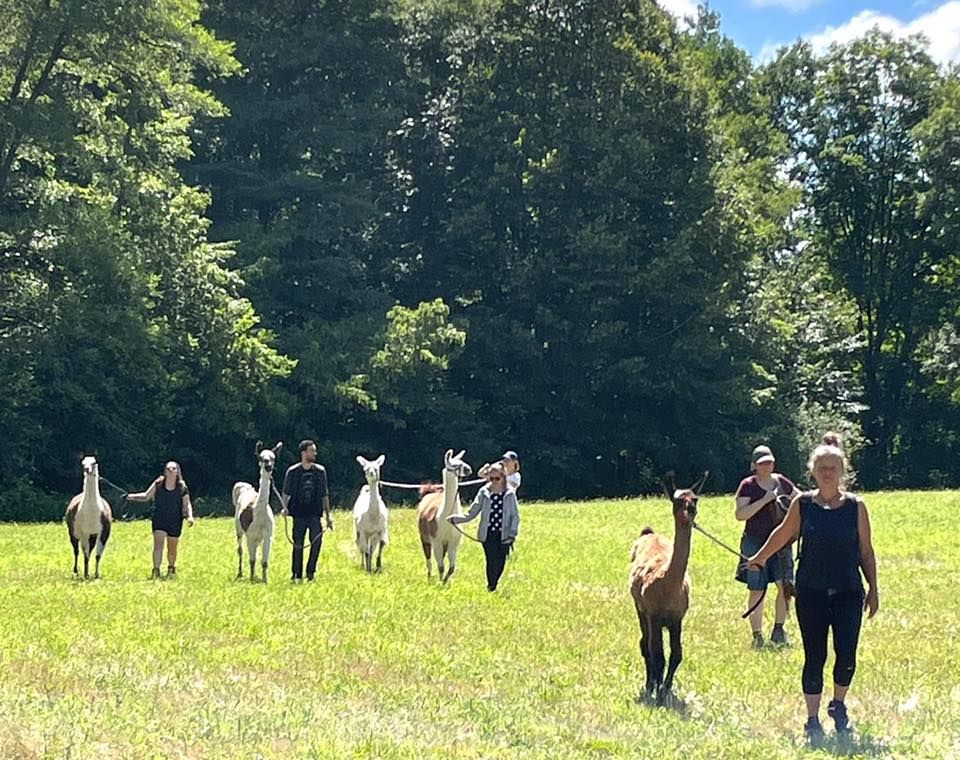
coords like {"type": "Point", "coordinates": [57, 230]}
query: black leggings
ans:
{"type": "Point", "coordinates": [496, 553]}
{"type": "Point", "coordinates": [817, 612]}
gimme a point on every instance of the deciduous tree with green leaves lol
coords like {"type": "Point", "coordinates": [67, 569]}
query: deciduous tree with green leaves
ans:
{"type": "Point", "coordinates": [871, 132]}
{"type": "Point", "coordinates": [127, 332]}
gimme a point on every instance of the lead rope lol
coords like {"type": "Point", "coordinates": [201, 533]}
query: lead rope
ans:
{"type": "Point", "coordinates": [734, 552]}
{"type": "Point", "coordinates": [286, 526]}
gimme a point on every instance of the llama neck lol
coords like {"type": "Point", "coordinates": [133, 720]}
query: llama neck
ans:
{"type": "Point", "coordinates": [263, 494]}
{"type": "Point", "coordinates": [681, 552]}
{"type": "Point", "coordinates": [91, 491]}
{"type": "Point", "coordinates": [451, 493]}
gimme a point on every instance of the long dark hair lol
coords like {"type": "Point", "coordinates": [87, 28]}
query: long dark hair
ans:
{"type": "Point", "coordinates": [160, 481]}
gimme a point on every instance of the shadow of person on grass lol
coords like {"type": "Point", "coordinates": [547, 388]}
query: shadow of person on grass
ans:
{"type": "Point", "coordinates": [851, 745]}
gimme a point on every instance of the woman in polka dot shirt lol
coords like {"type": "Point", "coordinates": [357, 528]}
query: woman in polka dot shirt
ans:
{"type": "Point", "coordinates": [496, 503]}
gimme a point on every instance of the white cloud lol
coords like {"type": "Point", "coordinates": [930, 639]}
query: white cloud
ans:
{"type": "Point", "coordinates": [941, 27]}
{"type": "Point", "coordinates": [680, 8]}
{"type": "Point", "coordinates": [794, 6]}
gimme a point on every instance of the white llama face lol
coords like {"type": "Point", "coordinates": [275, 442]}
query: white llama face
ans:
{"type": "Point", "coordinates": [268, 457]}
{"type": "Point", "coordinates": [267, 461]}
{"type": "Point", "coordinates": [455, 464]}
{"type": "Point", "coordinates": [89, 465]}
{"type": "Point", "coordinates": [371, 470]}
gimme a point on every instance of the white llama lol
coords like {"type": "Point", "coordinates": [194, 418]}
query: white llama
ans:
{"type": "Point", "coordinates": [253, 516]}
{"type": "Point", "coordinates": [370, 515]}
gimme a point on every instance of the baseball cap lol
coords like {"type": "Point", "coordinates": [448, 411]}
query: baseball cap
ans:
{"type": "Point", "coordinates": [762, 454]}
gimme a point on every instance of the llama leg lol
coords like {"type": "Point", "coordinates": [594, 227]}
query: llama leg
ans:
{"type": "Point", "coordinates": [252, 552]}
{"type": "Point", "coordinates": [425, 545]}
{"type": "Point", "coordinates": [380, 557]}
{"type": "Point", "coordinates": [657, 660]}
{"type": "Point", "coordinates": [676, 655]}
{"type": "Point", "coordinates": [76, 553]}
{"type": "Point", "coordinates": [99, 552]}
{"type": "Point", "coordinates": [438, 550]}
{"type": "Point", "coordinates": [649, 685]}
{"type": "Point", "coordinates": [452, 558]}
{"type": "Point", "coordinates": [87, 551]}
{"type": "Point", "coordinates": [265, 552]}
{"type": "Point", "coordinates": [239, 557]}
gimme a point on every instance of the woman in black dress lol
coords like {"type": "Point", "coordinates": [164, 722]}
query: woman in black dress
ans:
{"type": "Point", "coordinates": [171, 504]}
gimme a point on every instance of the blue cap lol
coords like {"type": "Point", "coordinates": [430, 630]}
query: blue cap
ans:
{"type": "Point", "coordinates": [510, 456]}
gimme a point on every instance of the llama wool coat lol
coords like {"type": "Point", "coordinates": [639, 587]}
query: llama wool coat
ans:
{"type": "Point", "coordinates": [481, 505]}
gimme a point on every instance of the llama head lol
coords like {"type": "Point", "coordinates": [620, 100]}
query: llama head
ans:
{"type": "Point", "coordinates": [371, 470]}
{"type": "Point", "coordinates": [90, 466]}
{"type": "Point", "coordinates": [268, 457]}
{"type": "Point", "coordinates": [456, 465]}
{"type": "Point", "coordinates": [684, 502]}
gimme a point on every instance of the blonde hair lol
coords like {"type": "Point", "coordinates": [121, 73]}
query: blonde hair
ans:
{"type": "Point", "coordinates": [496, 467]}
{"type": "Point", "coordinates": [832, 438]}
{"type": "Point", "coordinates": [827, 451]}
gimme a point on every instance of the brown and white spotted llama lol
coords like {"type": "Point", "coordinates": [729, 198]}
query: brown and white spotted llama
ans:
{"type": "Point", "coordinates": [438, 536]}
{"type": "Point", "coordinates": [89, 519]}
{"type": "Point", "coordinates": [253, 516]}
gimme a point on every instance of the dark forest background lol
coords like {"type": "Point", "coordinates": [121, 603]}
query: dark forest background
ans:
{"type": "Point", "coordinates": [574, 228]}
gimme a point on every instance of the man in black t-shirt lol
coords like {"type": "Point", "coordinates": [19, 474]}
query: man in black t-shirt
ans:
{"type": "Point", "coordinates": [306, 498]}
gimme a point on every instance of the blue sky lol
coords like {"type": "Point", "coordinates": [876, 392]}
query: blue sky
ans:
{"type": "Point", "coordinates": [761, 25]}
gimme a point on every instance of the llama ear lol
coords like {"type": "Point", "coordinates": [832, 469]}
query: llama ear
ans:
{"type": "Point", "coordinates": [259, 447]}
{"type": "Point", "coordinates": [448, 456]}
{"type": "Point", "coordinates": [459, 457]}
{"type": "Point", "coordinates": [361, 461]}
{"type": "Point", "coordinates": [277, 448]}
{"type": "Point", "coordinates": [380, 460]}
{"type": "Point", "coordinates": [699, 484]}
{"type": "Point", "coordinates": [666, 490]}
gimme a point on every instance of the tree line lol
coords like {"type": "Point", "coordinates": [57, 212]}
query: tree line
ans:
{"type": "Point", "coordinates": [580, 230]}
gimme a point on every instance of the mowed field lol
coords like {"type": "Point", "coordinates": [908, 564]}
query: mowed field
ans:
{"type": "Point", "coordinates": [391, 666]}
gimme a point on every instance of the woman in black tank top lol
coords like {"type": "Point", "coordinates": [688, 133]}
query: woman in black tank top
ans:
{"type": "Point", "coordinates": [171, 504]}
{"type": "Point", "coordinates": [835, 546]}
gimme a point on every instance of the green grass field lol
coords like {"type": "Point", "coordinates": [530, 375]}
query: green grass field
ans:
{"type": "Point", "coordinates": [389, 666]}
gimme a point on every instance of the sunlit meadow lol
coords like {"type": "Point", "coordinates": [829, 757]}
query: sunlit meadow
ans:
{"type": "Point", "coordinates": [392, 666]}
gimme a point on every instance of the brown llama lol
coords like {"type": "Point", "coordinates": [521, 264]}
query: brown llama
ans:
{"type": "Point", "coordinates": [660, 587]}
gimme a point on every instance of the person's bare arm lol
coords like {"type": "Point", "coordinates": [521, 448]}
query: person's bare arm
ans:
{"type": "Point", "coordinates": [144, 495]}
{"type": "Point", "coordinates": [868, 560]}
{"type": "Point", "coordinates": [326, 508]}
{"type": "Point", "coordinates": [188, 508]}
{"type": "Point", "coordinates": [782, 535]}
{"type": "Point", "coordinates": [747, 509]}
